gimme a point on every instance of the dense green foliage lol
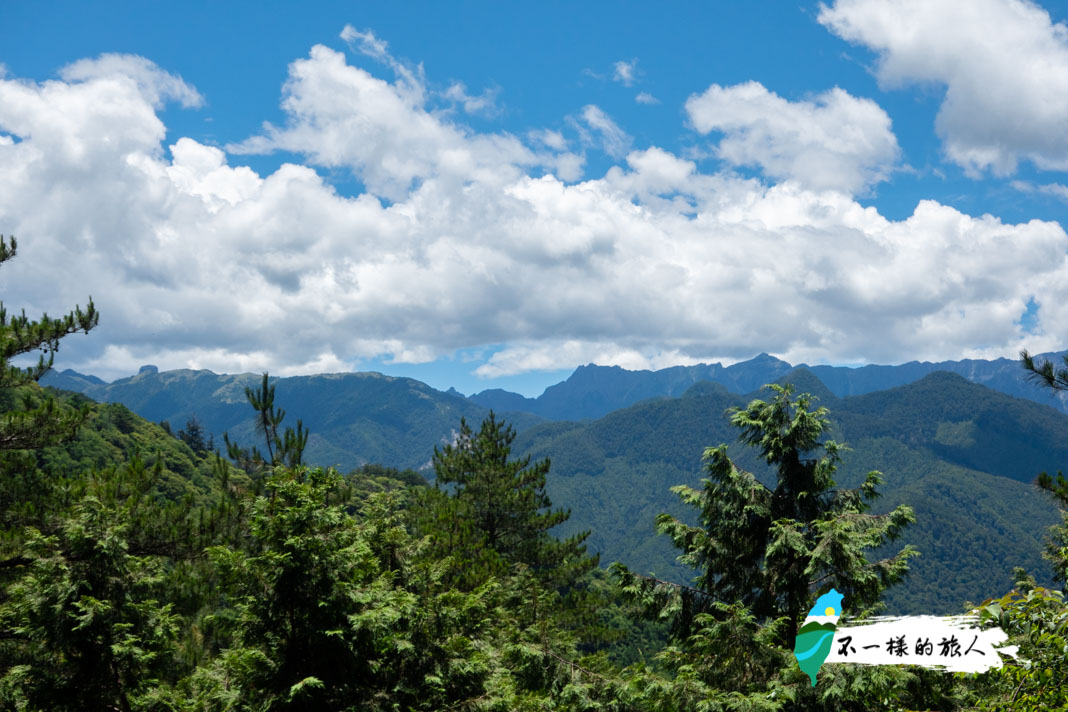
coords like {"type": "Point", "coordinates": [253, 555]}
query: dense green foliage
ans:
{"type": "Point", "coordinates": [503, 499]}
{"type": "Point", "coordinates": [762, 556]}
{"type": "Point", "coordinates": [769, 548]}
{"type": "Point", "coordinates": [284, 587]}
{"type": "Point", "coordinates": [309, 590]}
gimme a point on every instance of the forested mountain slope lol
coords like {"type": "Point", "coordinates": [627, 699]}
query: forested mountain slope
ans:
{"type": "Point", "coordinates": [109, 437]}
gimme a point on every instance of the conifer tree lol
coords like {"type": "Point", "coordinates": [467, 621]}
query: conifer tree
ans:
{"type": "Point", "coordinates": [287, 449]}
{"type": "Point", "coordinates": [85, 625]}
{"type": "Point", "coordinates": [29, 420]}
{"type": "Point", "coordinates": [193, 436]}
{"type": "Point", "coordinates": [506, 503]}
{"type": "Point", "coordinates": [773, 550]}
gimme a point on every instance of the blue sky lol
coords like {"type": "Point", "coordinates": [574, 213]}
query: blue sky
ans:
{"type": "Point", "coordinates": [489, 195]}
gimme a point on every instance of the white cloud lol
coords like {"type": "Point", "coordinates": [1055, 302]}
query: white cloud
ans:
{"type": "Point", "coordinates": [484, 103]}
{"type": "Point", "coordinates": [156, 85]}
{"type": "Point", "coordinates": [201, 170]}
{"type": "Point", "coordinates": [197, 262]}
{"type": "Point", "coordinates": [644, 97]}
{"type": "Point", "coordinates": [625, 72]}
{"type": "Point", "coordinates": [411, 81]}
{"type": "Point", "coordinates": [598, 128]}
{"type": "Point", "coordinates": [548, 356]}
{"type": "Point", "coordinates": [551, 139]}
{"type": "Point", "coordinates": [1003, 63]}
{"type": "Point", "coordinates": [342, 116]}
{"type": "Point", "coordinates": [835, 141]}
{"type": "Point", "coordinates": [1056, 190]}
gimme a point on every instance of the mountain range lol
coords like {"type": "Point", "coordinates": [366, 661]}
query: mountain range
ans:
{"type": "Point", "coordinates": [353, 418]}
{"type": "Point", "coordinates": [593, 391]}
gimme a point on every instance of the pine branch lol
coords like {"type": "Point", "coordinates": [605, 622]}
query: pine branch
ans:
{"type": "Point", "coordinates": [1044, 373]}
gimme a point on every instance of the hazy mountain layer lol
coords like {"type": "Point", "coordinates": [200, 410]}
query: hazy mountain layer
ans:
{"type": "Point", "coordinates": [593, 391]}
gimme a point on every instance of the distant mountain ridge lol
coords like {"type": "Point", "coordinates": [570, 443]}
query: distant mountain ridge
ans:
{"type": "Point", "coordinates": [594, 391]}
{"type": "Point", "coordinates": [353, 418]}
{"type": "Point", "coordinates": [370, 417]}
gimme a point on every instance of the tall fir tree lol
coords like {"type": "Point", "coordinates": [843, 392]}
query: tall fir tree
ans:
{"type": "Point", "coordinates": [762, 555]}
{"type": "Point", "coordinates": [193, 436]}
{"type": "Point", "coordinates": [505, 501]}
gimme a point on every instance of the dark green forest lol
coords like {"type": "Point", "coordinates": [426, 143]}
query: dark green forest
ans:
{"type": "Point", "coordinates": [150, 566]}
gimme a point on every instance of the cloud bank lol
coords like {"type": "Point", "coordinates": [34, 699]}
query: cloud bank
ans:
{"type": "Point", "coordinates": [461, 239]}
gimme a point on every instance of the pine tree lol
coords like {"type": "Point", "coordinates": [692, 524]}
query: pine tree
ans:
{"type": "Point", "coordinates": [28, 419]}
{"type": "Point", "coordinates": [193, 436]}
{"type": "Point", "coordinates": [287, 449]}
{"type": "Point", "coordinates": [505, 501]}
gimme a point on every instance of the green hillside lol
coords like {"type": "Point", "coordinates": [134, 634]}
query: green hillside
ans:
{"type": "Point", "coordinates": [110, 436]}
{"type": "Point", "coordinates": [964, 423]}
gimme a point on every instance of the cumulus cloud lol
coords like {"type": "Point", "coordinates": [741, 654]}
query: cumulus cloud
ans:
{"type": "Point", "coordinates": [197, 261]}
{"type": "Point", "coordinates": [625, 72]}
{"type": "Point", "coordinates": [835, 141]}
{"type": "Point", "coordinates": [1003, 63]}
{"type": "Point", "coordinates": [156, 85]}
{"type": "Point", "coordinates": [644, 97]}
{"type": "Point", "coordinates": [343, 116]}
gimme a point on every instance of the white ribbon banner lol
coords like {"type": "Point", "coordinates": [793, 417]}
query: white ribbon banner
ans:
{"type": "Point", "coordinates": [953, 643]}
